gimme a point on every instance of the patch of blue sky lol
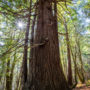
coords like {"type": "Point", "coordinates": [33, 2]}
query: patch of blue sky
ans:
{"type": "Point", "coordinates": [1, 43]}
{"type": "Point", "coordinates": [2, 24]}
{"type": "Point", "coordinates": [85, 32]}
{"type": "Point", "coordinates": [87, 20]}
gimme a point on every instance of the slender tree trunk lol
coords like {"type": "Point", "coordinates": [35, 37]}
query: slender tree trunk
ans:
{"type": "Point", "coordinates": [74, 56]}
{"type": "Point", "coordinates": [46, 71]}
{"type": "Point", "coordinates": [55, 20]}
{"type": "Point", "coordinates": [8, 87]}
{"type": "Point", "coordinates": [81, 62]}
{"type": "Point", "coordinates": [64, 63]}
{"type": "Point", "coordinates": [12, 70]}
{"type": "Point", "coordinates": [18, 78]}
{"type": "Point", "coordinates": [68, 56]}
{"type": "Point", "coordinates": [25, 55]}
{"type": "Point", "coordinates": [32, 49]}
{"type": "Point", "coordinates": [9, 73]}
{"type": "Point", "coordinates": [75, 68]}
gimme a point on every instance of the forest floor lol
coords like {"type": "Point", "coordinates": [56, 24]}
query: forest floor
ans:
{"type": "Point", "coordinates": [82, 87]}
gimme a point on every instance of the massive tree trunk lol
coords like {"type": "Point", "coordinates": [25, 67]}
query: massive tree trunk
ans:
{"type": "Point", "coordinates": [45, 70]}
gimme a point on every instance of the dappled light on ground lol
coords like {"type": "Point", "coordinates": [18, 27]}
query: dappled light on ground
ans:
{"type": "Point", "coordinates": [82, 87]}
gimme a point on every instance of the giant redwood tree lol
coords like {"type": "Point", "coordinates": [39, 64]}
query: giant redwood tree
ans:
{"type": "Point", "coordinates": [45, 71]}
